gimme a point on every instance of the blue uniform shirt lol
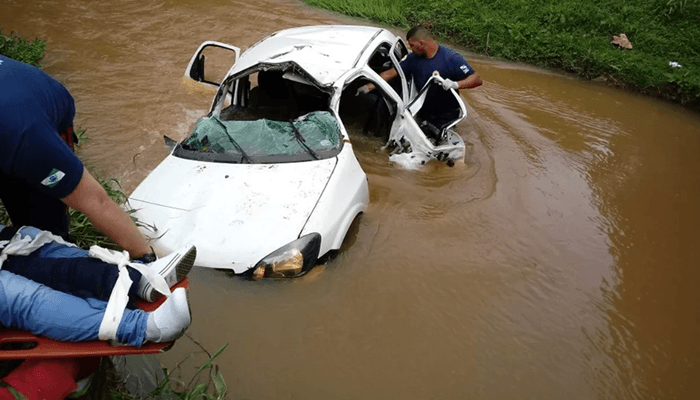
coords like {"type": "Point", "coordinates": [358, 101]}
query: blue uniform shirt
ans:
{"type": "Point", "coordinates": [34, 110]}
{"type": "Point", "coordinates": [447, 62]}
{"type": "Point", "coordinates": [450, 65]}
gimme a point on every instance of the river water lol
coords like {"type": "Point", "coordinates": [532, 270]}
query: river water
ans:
{"type": "Point", "coordinates": [558, 262]}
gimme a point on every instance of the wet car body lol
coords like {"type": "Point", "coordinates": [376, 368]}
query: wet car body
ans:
{"type": "Point", "coordinates": [267, 183]}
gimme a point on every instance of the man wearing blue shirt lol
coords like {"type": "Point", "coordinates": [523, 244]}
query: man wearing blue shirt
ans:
{"type": "Point", "coordinates": [39, 173]}
{"type": "Point", "coordinates": [428, 56]}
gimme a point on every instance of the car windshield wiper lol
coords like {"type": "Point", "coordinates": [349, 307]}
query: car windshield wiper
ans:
{"type": "Point", "coordinates": [302, 141]}
{"type": "Point", "coordinates": [234, 143]}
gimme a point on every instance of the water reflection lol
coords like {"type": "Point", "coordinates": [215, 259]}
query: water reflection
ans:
{"type": "Point", "coordinates": [644, 186]}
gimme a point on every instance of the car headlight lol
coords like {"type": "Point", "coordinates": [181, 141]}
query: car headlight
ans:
{"type": "Point", "coordinates": [289, 261]}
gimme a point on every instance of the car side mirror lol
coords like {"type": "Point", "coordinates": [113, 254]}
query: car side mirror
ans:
{"type": "Point", "coordinates": [197, 70]}
{"type": "Point", "coordinates": [169, 143]}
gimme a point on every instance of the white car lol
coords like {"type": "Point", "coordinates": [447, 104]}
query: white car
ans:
{"type": "Point", "coordinates": [267, 183]}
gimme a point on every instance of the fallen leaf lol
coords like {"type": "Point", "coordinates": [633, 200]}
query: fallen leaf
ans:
{"type": "Point", "coordinates": [621, 41]}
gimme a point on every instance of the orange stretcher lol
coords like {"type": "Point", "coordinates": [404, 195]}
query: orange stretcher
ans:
{"type": "Point", "coordinates": [18, 344]}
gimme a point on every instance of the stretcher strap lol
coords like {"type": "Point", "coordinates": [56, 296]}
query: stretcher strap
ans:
{"type": "Point", "coordinates": [118, 299]}
{"type": "Point", "coordinates": [120, 293]}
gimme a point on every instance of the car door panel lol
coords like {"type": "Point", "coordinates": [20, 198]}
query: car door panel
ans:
{"type": "Point", "coordinates": [196, 68]}
{"type": "Point", "coordinates": [406, 126]}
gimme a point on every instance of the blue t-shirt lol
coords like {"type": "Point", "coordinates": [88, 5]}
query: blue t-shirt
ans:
{"type": "Point", "coordinates": [34, 110]}
{"type": "Point", "coordinates": [450, 65]}
{"type": "Point", "coordinates": [447, 62]}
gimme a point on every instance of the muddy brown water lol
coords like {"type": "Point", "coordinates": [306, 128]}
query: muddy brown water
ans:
{"type": "Point", "coordinates": [560, 261]}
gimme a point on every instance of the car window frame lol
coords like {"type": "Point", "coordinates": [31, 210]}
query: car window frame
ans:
{"type": "Point", "coordinates": [231, 88]}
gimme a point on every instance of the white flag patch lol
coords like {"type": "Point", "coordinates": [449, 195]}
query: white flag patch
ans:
{"type": "Point", "coordinates": [54, 177]}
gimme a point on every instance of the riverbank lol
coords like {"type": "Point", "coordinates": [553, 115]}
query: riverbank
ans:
{"type": "Point", "coordinates": [572, 36]}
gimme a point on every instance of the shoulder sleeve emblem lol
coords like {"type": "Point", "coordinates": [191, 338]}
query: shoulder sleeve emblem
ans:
{"type": "Point", "coordinates": [54, 177]}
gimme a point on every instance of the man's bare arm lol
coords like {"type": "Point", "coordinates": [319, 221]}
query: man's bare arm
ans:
{"type": "Point", "coordinates": [108, 217]}
{"type": "Point", "coordinates": [470, 82]}
{"type": "Point", "coordinates": [387, 75]}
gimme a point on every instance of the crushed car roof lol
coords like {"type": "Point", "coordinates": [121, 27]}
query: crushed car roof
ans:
{"type": "Point", "coordinates": [325, 52]}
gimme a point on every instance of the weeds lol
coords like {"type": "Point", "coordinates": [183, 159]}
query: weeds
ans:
{"type": "Point", "coordinates": [671, 7]}
{"type": "Point", "coordinates": [389, 11]}
{"type": "Point", "coordinates": [22, 50]}
{"type": "Point", "coordinates": [194, 389]}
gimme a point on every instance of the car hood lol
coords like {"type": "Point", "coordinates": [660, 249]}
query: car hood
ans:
{"type": "Point", "coordinates": [235, 214]}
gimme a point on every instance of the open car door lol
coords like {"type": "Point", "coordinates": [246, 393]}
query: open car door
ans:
{"type": "Point", "coordinates": [399, 52]}
{"type": "Point", "coordinates": [217, 57]}
{"type": "Point", "coordinates": [436, 83]}
{"type": "Point", "coordinates": [410, 134]}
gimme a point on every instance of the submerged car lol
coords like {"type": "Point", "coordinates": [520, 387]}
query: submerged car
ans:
{"type": "Point", "coordinates": [267, 182]}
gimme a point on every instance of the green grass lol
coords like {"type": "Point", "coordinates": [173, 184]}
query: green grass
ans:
{"type": "Point", "coordinates": [21, 49]}
{"type": "Point", "coordinates": [192, 390]}
{"type": "Point", "coordinates": [573, 36]}
{"type": "Point", "coordinates": [389, 11]}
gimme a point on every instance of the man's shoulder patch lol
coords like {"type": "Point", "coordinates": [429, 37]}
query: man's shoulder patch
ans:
{"type": "Point", "coordinates": [54, 177]}
{"type": "Point", "coordinates": [464, 68]}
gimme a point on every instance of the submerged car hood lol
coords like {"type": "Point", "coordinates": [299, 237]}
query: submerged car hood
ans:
{"type": "Point", "coordinates": [235, 214]}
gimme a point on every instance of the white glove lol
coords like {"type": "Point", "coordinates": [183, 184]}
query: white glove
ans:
{"type": "Point", "coordinates": [364, 89]}
{"type": "Point", "coordinates": [448, 84]}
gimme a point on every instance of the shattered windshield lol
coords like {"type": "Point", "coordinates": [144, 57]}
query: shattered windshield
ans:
{"type": "Point", "coordinates": [315, 135]}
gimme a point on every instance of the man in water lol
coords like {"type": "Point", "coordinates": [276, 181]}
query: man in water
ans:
{"type": "Point", "coordinates": [429, 56]}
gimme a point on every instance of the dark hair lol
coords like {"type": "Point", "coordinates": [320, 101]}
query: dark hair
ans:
{"type": "Point", "coordinates": [418, 32]}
